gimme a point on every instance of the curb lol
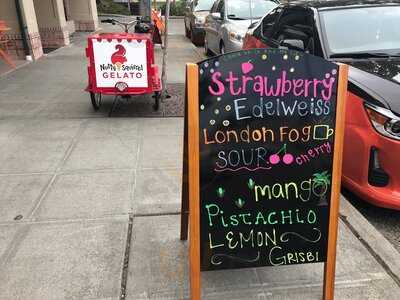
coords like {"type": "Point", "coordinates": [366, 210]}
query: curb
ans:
{"type": "Point", "coordinates": [200, 53]}
{"type": "Point", "coordinates": [379, 247]}
{"type": "Point", "coordinates": [22, 65]}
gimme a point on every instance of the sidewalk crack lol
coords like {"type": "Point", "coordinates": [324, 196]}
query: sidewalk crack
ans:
{"type": "Point", "coordinates": [124, 275]}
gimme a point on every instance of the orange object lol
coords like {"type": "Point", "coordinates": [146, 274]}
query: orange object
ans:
{"type": "Point", "coordinates": [194, 179]}
{"type": "Point", "coordinates": [330, 264]}
{"type": "Point", "coordinates": [158, 21]}
{"type": "Point", "coordinates": [4, 42]}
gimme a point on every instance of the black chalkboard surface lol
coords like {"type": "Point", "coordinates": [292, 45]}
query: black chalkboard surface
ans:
{"type": "Point", "coordinates": [267, 129]}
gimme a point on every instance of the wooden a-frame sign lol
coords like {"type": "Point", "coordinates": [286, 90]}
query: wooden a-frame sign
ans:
{"type": "Point", "coordinates": [262, 164]}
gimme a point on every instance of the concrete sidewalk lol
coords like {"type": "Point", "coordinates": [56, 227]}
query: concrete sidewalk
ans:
{"type": "Point", "coordinates": [83, 195]}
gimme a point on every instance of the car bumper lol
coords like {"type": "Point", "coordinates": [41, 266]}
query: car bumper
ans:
{"type": "Point", "coordinates": [381, 197]}
{"type": "Point", "coordinates": [361, 140]}
{"type": "Point", "coordinates": [199, 30]}
{"type": "Point", "coordinates": [233, 45]}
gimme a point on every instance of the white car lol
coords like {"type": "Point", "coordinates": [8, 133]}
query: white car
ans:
{"type": "Point", "coordinates": [228, 21]}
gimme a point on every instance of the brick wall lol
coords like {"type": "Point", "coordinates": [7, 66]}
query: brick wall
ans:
{"type": "Point", "coordinates": [16, 49]}
{"type": "Point", "coordinates": [54, 37]}
{"type": "Point", "coordinates": [85, 25]}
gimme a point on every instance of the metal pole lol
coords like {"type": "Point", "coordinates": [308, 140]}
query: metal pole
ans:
{"type": "Point", "coordinates": [164, 93]}
{"type": "Point", "coordinates": [251, 12]}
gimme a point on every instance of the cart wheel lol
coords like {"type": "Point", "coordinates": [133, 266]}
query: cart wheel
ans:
{"type": "Point", "coordinates": [157, 97]}
{"type": "Point", "coordinates": [96, 100]}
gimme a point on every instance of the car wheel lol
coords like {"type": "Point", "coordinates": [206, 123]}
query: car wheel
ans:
{"type": "Point", "coordinates": [221, 47]}
{"type": "Point", "coordinates": [207, 50]}
{"type": "Point", "coordinates": [187, 32]}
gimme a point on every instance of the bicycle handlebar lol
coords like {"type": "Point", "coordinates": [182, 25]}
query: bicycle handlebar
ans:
{"type": "Point", "coordinates": [107, 21]}
{"type": "Point", "coordinates": [124, 25]}
{"type": "Point", "coordinates": [113, 21]}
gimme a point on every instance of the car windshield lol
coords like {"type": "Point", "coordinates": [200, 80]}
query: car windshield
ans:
{"type": "Point", "coordinates": [362, 31]}
{"type": "Point", "coordinates": [240, 9]}
{"type": "Point", "coordinates": [203, 5]}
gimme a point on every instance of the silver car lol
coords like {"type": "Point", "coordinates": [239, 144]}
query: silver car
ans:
{"type": "Point", "coordinates": [228, 21]}
{"type": "Point", "coordinates": [195, 15]}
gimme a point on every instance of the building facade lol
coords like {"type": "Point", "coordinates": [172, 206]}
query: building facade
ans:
{"type": "Point", "coordinates": [45, 24]}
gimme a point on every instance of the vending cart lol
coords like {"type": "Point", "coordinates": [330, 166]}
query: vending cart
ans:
{"type": "Point", "coordinates": [121, 64]}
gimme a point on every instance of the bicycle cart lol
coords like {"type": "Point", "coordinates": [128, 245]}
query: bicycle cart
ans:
{"type": "Point", "coordinates": [122, 64]}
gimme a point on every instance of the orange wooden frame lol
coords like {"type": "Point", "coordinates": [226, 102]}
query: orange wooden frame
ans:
{"type": "Point", "coordinates": [192, 82]}
{"type": "Point", "coordinates": [330, 264]}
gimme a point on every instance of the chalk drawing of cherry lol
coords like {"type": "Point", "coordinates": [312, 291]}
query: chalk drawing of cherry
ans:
{"type": "Point", "coordinates": [287, 158]}
{"type": "Point", "coordinates": [247, 67]}
{"type": "Point", "coordinates": [274, 159]}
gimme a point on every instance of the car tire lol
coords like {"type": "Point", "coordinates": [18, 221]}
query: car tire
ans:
{"type": "Point", "coordinates": [187, 32]}
{"type": "Point", "coordinates": [222, 48]}
{"type": "Point", "coordinates": [207, 50]}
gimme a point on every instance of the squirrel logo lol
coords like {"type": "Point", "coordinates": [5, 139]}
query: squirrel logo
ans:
{"type": "Point", "coordinates": [118, 58]}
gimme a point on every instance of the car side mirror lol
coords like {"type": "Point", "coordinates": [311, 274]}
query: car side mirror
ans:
{"type": "Point", "coordinates": [216, 15]}
{"type": "Point", "coordinates": [292, 44]}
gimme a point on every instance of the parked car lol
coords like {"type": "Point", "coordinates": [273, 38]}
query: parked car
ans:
{"type": "Point", "coordinates": [229, 20]}
{"type": "Point", "coordinates": [195, 15]}
{"type": "Point", "coordinates": [365, 35]}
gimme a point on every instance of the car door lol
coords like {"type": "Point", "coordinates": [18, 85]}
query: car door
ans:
{"type": "Point", "coordinates": [209, 25]}
{"type": "Point", "coordinates": [218, 25]}
{"type": "Point", "coordinates": [214, 24]}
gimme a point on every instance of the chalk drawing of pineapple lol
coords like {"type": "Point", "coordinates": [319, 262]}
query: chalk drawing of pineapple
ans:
{"type": "Point", "coordinates": [321, 181]}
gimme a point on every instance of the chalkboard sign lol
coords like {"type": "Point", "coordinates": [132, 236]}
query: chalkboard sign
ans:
{"type": "Point", "coordinates": [267, 123]}
{"type": "Point", "coordinates": [268, 136]}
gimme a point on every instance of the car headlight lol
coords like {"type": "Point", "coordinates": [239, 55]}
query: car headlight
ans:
{"type": "Point", "coordinates": [234, 36]}
{"type": "Point", "coordinates": [384, 121]}
{"type": "Point", "coordinates": [199, 20]}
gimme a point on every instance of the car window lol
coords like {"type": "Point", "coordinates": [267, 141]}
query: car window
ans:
{"type": "Point", "coordinates": [214, 7]}
{"type": "Point", "coordinates": [248, 9]}
{"type": "Point", "coordinates": [269, 21]}
{"type": "Point", "coordinates": [221, 8]}
{"type": "Point", "coordinates": [202, 5]}
{"type": "Point", "coordinates": [188, 6]}
{"type": "Point", "coordinates": [296, 24]}
{"type": "Point", "coordinates": [362, 29]}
